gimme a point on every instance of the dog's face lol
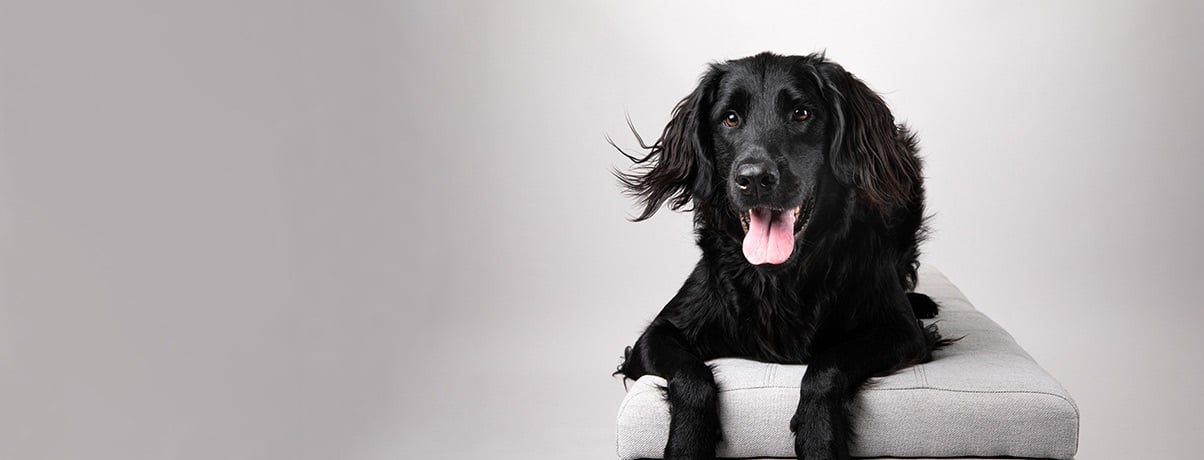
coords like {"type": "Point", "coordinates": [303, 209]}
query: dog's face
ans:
{"type": "Point", "coordinates": [769, 143]}
{"type": "Point", "coordinates": [775, 150]}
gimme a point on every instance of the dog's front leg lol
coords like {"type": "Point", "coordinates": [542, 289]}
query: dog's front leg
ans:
{"type": "Point", "coordinates": [692, 393]}
{"type": "Point", "coordinates": [821, 422]}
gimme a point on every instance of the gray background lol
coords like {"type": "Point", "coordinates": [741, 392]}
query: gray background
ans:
{"type": "Point", "coordinates": [369, 230]}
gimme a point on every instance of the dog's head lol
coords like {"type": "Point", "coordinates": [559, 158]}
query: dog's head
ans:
{"type": "Point", "coordinates": [775, 149]}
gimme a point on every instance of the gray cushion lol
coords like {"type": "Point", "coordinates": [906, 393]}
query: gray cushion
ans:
{"type": "Point", "coordinates": [982, 396]}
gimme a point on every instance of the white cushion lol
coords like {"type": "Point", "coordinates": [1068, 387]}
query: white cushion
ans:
{"type": "Point", "coordinates": [981, 396]}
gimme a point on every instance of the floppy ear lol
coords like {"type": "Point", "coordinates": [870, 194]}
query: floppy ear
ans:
{"type": "Point", "coordinates": [678, 166]}
{"type": "Point", "coordinates": [869, 152]}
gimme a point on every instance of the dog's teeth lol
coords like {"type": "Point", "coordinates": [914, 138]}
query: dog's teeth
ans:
{"type": "Point", "coordinates": [797, 209]}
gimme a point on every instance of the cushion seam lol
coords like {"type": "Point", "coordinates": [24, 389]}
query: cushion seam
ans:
{"type": "Point", "coordinates": [950, 390]}
{"type": "Point", "coordinates": [1073, 406]}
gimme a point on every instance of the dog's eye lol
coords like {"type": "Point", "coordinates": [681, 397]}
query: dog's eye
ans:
{"type": "Point", "coordinates": [801, 114]}
{"type": "Point", "coordinates": [731, 120]}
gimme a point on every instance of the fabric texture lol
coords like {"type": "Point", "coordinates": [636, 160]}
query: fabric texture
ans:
{"type": "Point", "coordinates": [982, 396]}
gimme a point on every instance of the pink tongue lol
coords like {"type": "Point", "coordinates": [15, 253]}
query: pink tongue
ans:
{"type": "Point", "coordinates": [770, 238]}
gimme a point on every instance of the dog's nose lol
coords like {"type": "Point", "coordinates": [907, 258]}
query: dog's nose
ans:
{"type": "Point", "coordinates": [757, 177]}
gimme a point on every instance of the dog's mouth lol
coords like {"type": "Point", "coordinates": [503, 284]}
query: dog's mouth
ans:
{"type": "Point", "coordinates": [769, 233]}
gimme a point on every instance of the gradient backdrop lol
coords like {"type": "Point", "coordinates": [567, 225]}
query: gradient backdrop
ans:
{"type": "Point", "coordinates": [280, 229]}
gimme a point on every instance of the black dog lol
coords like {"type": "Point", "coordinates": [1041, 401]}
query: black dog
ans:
{"type": "Point", "coordinates": [808, 206]}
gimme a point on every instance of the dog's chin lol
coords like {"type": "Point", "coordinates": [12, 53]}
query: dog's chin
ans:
{"type": "Point", "coordinates": [771, 234]}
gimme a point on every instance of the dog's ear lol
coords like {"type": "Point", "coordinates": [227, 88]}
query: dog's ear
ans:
{"type": "Point", "coordinates": [869, 152]}
{"type": "Point", "coordinates": [678, 167]}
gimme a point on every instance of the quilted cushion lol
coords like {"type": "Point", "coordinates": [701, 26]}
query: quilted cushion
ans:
{"type": "Point", "coordinates": [983, 396]}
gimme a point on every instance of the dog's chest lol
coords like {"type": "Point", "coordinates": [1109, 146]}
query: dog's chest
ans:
{"type": "Point", "coordinates": [775, 329]}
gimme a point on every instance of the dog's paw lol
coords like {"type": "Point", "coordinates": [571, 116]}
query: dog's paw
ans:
{"type": "Point", "coordinates": [819, 428]}
{"type": "Point", "coordinates": [693, 452]}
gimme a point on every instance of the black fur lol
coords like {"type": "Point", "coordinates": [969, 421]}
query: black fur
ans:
{"type": "Point", "coordinates": [841, 303]}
